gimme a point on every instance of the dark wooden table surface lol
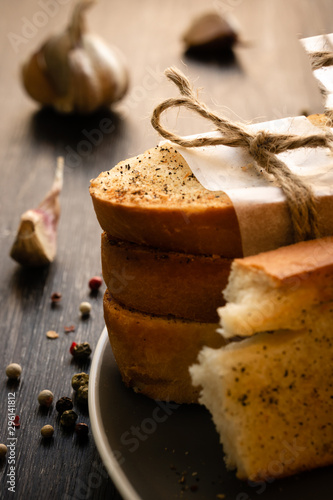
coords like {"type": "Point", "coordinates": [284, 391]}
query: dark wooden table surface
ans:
{"type": "Point", "coordinates": [149, 33]}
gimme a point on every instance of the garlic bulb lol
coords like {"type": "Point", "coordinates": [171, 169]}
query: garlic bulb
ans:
{"type": "Point", "coordinates": [75, 71]}
{"type": "Point", "coordinates": [36, 240]}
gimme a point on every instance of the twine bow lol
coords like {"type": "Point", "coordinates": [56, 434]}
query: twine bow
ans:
{"type": "Point", "coordinates": [262, 146]}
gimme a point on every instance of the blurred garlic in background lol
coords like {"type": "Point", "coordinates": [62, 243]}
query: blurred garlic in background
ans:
{"type": "Point", "coordinates": [35, 244]}
{"type": "Point", "coordinates": [75, 71]}
{"type": "Point", "coordinates": [211, 35]}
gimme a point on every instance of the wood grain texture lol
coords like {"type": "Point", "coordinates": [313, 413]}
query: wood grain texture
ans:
{"type": "Point", "coordinates": [149, 33]}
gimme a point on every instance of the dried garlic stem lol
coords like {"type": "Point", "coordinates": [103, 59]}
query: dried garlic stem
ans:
{"type": "Point", "coordinates": [35, 243]}
{"type": "Point", "coordinates": [77, 26]}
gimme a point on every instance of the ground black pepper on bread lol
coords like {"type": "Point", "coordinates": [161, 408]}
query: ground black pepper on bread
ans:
{"type": "Point", "coordinates": [154, 199]}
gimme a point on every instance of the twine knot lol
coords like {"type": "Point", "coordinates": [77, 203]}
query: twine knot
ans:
{"type": "Point", "coordinates": [259, 146]}
{"type": "Point", "coordinates": [262, 146]}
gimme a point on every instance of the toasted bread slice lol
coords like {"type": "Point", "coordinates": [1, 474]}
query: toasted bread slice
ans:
{"type": "Point", "coordinates": [154, 353]}
{"type": "Point", "coordinates": [155, 200]}
{"type": "Point", "coordinates": [157, 282]}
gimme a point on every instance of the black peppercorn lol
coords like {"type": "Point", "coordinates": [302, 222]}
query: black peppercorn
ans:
{"type": "Point", "coordinates": [81, 351]}
{"type": "Point", "coordinates": [64, 404]}
{"type": "Point", "coordinates": [81, 429]}
{"type": "Point", "coordinates": [68, 418]}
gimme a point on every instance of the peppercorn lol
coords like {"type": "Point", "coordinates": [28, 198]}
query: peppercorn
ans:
{"type": "Point", "coordinates": [3, 450]}
{"type": "Point", "coordinates": [16, 421]}
{"type": "Point", "coordinates": [68, 418]}
{"type": "Point", "coordinates": [81, 351]}
{"type": "Point", "coordinates": [56, 297]}
{"type": "Point", "coordinates": [81, 429]}
{"type": "Point", "coordinates": [64, 404]}
{"type": "Point", "coordinates": [45, 398]}
{"type": "Point", "coordinates": [79, 379]}
{"type": "Point", "coordinates": [95, 283]}
{"type": "Point", "coordinates": [47, 431]}
{"type": "Point", "coordinates": [85, 308]}
{"type": "Point", "coordinates": [82, 394]}
{"type": "Point", "coordinates": [13, 371]}
{"type": "Point", "coordinates": [71, 349]}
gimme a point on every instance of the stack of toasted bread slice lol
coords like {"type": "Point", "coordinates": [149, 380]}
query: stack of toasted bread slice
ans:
{"type": "Point", "coordinates": [167, 248]}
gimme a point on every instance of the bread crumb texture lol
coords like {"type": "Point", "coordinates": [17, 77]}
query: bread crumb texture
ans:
{"type": "Point", "coordinates": [153, 177]}
{"type": "Point", "coordinates": [271, 397]}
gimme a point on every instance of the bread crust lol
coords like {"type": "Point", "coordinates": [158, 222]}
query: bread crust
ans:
{"type": "Point", "coordinates": [305, 260]}
{"type": "Point", "coordinates": [153, 353]}
{"type": "Point", "coordinates": [155, 200]}
{"type": "Point", "coordinates": [157, 282]}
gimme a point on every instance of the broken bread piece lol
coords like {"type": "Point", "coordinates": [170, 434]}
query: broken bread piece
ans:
{"type": "Point", "coordinates": [271, 395]}
{"type": "Point", "coordinates": [277, 289]}
{"type": "Point", "coordinates": [271, 398]}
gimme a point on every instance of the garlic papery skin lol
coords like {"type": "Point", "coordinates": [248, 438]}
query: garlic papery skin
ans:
{"type": "Point", "coordinates": [75, 71]}
{"type": "Point", "coordinates": [35, 244]}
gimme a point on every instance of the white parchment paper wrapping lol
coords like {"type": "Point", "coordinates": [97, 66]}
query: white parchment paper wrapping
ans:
{"type": "Point", "coordinates": [261, 208]}
{"type": "Point", "coordinates": [322, 43]}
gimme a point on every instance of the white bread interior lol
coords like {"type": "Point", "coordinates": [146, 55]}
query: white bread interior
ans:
{"type": "Point", "coordinates": [277, 289]}
{"type": "Point", "coordinates": [271, 398]}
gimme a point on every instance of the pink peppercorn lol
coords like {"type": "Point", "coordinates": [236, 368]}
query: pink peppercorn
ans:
{"type": "Point", "coordinates": [95, 283]}
{"type": "Point", "coordinates": [71, 349]}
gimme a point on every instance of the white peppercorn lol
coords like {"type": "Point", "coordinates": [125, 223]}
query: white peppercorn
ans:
{"type": "Point", "coordinates": [13, 371]}
{"type": "Point", "coordinates": [45, 398]}
{"type": "Point", "coordinates": [47, 431]}
{"type": "Point", "coordinates": [85, 308]}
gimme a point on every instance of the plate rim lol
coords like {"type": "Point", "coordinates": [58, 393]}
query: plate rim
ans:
{"type": "Point", "coordinates": [117, 475]}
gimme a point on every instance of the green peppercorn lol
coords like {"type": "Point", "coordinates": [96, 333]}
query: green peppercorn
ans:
{"type": "Point", "coordinates": [3, 450]}
{"type": "Point", "coordinates": [68, 418]}
{"type": "Point", "coordinates": [81, 429]}
{"type": "Point", "coordinates": [47, 431]}
{"type": "Point", "coordinates": [82, 351]}
{"type": "Point", "coordinates": [79, 379]}
{"type": "Point", "coordinates": [64, 404]}
{"type": "Point", "coordinates": [82, 394]}
{"type": "Point", "coordinates": [45, 398]}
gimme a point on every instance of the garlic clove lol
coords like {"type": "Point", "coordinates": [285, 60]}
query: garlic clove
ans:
{"type": "Point", "coordinates": [210, 34]}
{"type": "Point", "coordinates": [55, 61]}
{"type": "Point", "coordinates": [36, 240]}
{"type": "Point", "coordinates": [86, 82]}
{"type": "Point", "coordinates": [36, 81]}
{"type": "Point", "coordinates": [110, 66]}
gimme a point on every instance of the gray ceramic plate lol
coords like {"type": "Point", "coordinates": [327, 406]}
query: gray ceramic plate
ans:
{"type": "Point", "coordinates": [158, 451]}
